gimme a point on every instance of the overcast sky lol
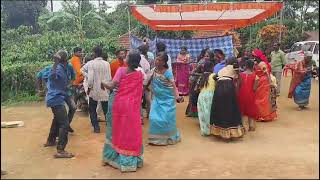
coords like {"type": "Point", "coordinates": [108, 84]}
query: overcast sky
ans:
{"type": "Point", "coordinates": [57, 5]}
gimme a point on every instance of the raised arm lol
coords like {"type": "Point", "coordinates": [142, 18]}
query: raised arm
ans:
{"type": "Point", "coordinates": [109, 85]}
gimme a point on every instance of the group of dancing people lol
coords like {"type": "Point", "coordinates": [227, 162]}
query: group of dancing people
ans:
{"type": "Point", "coordinates": [227, 96]}
{"type": "Point", "coordinates": [120, 88]}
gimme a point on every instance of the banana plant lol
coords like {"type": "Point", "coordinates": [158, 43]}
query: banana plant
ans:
{"type": "Point", "coordinates": [80, 18]}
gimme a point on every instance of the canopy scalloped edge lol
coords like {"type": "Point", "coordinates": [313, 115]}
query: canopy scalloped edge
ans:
{"type": "Point", "coordinates": [213, 16]}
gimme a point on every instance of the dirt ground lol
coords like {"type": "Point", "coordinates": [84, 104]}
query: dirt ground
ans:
{"type": "Point", "coordinates": [286, 148]}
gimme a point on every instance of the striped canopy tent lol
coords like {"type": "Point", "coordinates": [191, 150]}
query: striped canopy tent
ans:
{"type": "Point", "coordinates": [210, 16]}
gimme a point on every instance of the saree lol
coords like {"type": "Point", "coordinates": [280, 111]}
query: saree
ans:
{"type": "Point", "coordinates": [246, 95]}
{"type": "Point", "coordinates": [300, 86]}
{"type": "Point", "coordinates": [192, 110]}
{"type": "Point", "coordinates": [181, 76]}
{"type": "Point", "coordinates": [263, 96]}
{"type": "Point", "coordinates": [204, 106]}
{"type": "Point", "coordinates": [163, 128]}
{"type": "Point", "coordinates": [123, 147]}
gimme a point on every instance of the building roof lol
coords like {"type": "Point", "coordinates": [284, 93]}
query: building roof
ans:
{"type": "Point", "coordinates": [124, 41]}
{"type": "Point", "coordinates": [312, 35]}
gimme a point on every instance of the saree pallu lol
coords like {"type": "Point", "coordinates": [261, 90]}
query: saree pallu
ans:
{"type": "Point", "coordinates": [123, 147]}
{"type": "Point", "coordinates": [302, 91]}
{"type": "Point", "coordinates": [181, 76]}
{"type": "Point", "coordinates": [192, 110]}
{"type": "Point", "coordinates": [225, 115]}
{"type": "Point", "coordinates": [263, 99]}
{"type": "Point", "coordinates": [163, 128]}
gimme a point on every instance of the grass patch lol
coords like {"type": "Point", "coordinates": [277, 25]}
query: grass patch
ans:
{"type": "Point", "coordinates": [21, 99]}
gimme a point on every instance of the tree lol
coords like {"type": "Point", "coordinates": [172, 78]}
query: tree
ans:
{"type": "Point", "coordinates": [22, 12]}
{"type": "Point", "coordinates": [77, 15]}
{"type": "Point", "coordinates": [301, 11]}
{"type": "Point", "coordinates": [268, 35]}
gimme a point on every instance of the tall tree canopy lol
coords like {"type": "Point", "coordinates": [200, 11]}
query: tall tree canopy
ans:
{"type": "Point", "coordinates": [22, 12]}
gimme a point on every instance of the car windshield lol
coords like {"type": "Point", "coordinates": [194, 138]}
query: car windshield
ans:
{"type": "Point", "coordinates": [308, 46]}
{"type": "Point", "coordinates": [296, 47]}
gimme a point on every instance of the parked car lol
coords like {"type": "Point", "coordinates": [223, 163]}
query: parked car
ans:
{"type": "Point", "coordinates": [296, 51]}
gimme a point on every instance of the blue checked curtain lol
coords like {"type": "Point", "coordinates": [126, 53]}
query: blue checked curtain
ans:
{"type": "Point", "coordinates": [194, 45]}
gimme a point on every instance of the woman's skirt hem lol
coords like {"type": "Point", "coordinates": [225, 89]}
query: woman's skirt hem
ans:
{"type": "Point", "coordinates": [163, 140]}
{"type": "Point", "coordinates": [228, 133]}
{"type": "Point", "coordinates": [122, 162]}
{"type": "Point", "coordinates": [270, 117]}
{"type": "Point", "coordinates": [301, 102]}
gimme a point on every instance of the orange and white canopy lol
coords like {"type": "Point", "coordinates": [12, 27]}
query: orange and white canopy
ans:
{"type": "Point", "coordinates": [211, 16]}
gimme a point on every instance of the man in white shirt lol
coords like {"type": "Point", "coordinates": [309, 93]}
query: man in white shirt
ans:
{"type": "Point", "coordinates": [97, 71]}
{"type": "Point", "coordinates": [144, 63]}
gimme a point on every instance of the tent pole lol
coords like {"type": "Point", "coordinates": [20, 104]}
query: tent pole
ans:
{"type": "Point", "coordinates": [280, 36]}
{"type": "Point", "coordinates": [129, 25]}
{"type": "Point", "coordinates": [250, 36]}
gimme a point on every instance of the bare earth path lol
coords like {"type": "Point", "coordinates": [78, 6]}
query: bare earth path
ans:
{"type": "Point", "coordinates": [286, 148]}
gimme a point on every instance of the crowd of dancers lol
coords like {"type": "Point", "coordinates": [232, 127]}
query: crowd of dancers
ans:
{"type": "Point", "coordinates": [226, 94]}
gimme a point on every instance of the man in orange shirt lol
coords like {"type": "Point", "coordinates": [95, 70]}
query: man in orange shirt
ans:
{"type": "Point", "coordinates": [119, 62]}
{"type": "Point", "coordinates": [76, 64]}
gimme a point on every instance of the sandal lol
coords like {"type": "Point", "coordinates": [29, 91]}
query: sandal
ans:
{"type": "Point", "coordinates": [63, 154]}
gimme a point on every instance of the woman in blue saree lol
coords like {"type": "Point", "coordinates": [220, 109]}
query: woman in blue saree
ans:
{"type": "Point", "coordinates": [300, 86]}
{"type": "Point", "coordinates": [163, 128]}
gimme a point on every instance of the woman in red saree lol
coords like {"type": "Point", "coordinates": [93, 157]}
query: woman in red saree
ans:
{"type": "Point", "coordinates": [263, 96]}
{"type": "Point", "coordinates": [246, 96]}
{"type": "Point", "coordinates": [123, 148]}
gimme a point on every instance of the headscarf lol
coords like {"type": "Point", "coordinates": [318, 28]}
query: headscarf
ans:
{"type": "Point", "coordinates": [259, 54]}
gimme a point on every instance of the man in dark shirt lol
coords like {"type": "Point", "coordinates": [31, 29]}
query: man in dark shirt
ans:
{"type": "Point", "coordinates": [56, 95]}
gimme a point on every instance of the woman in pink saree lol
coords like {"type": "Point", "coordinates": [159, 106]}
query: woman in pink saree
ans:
{"type": "Point", "coordinates": [182, 69]}
{"type": "Point", "coordinates": [123, 147]}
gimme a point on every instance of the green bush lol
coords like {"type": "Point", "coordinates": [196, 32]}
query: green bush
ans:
{"type": "Point", "coordinates": [19, 78]}
{"type": "Point", "coordinates": [23, 54]}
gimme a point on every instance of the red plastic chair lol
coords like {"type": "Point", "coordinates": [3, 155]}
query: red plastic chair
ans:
{"type": "Point", "coordinates": [286, 68]}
